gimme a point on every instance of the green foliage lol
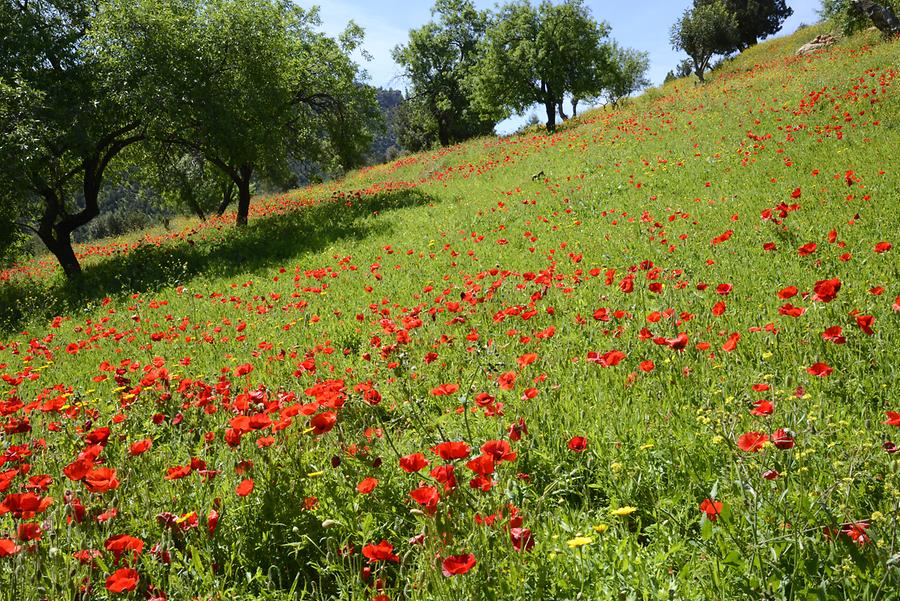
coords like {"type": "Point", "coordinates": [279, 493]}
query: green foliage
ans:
{"type": "Point", "coordinates": [756, 19]}
{"type": "Point", "coordinates": [704, 31]}
{"type": "Point", "coordinates": [436, 60]}
{"type": "Point", "coordinates": [628, 73]}
{"type": "Point", "coordinates": [849, 19]}
{"type": "Point", "coordinates": [248, 85]}
{"type": "Point", "coordinates": [538, 55]}
{"type": "Point", "coordinates": [73, 125]}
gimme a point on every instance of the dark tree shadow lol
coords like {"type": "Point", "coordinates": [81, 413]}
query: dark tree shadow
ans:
{"type": "Point", "coordinates": [265, 242]}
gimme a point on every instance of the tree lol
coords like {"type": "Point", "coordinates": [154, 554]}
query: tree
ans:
{"type": "Point", "coordinates": [849, 15]}
{"type": "Point", "coordinates": [248, 85]}
{"type": "Point", "coordinates": [704, 31]}
{"type": "Point", "coordinates": [627, 75]}
{"type": "Point", "coordinates": [436, 60]}
{"type": "Point", "coordinates": [538, 55]}
{"type": "Point", "coordinates": [756, 19]}
{"type": "Point", "coordinates": [683, 69]}
{"type": "Point", "coordinates": [53, 166]}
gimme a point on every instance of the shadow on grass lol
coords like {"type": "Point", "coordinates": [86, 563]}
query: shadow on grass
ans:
{"type": "Point", "coordinates": [265, 242]}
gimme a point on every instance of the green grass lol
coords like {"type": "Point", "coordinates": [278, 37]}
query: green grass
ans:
{"type": "Point", "coordinates": [454, 267]}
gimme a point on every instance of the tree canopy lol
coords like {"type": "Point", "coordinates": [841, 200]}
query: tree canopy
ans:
{"type": "Point", "coordinates": [437, 60]}
{"type": "Point", "coordinates": [242, 86]}
{"type": "Point", "coordinates": [537, 55]}
{"type": "Point", "coordinates": [703, 31]}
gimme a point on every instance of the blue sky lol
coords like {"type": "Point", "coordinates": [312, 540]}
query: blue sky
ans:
{"type": "Point", "coordinates": [643, 25]}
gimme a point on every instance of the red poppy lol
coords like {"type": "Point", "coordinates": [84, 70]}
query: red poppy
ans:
{"type": "Point", "coordinates": [521, 538]}
{"type": "Point", "coordinates": [834, 334]}
{"type": "Point", "coordinates": [646, 366]}
{"type": "Point", "coordinates": [865, 323]}
{"type": "Point", "coordinates": [786, 293]}
{"type": "Point", "coordinates": [427, 496]}
{"type": "Point", "coordinates": [751, 442]}
{"type": "Point", "coordinates": [507, 380]}
{"type": "Point", "coordinates": [244, 488]}
{"type": "Point", "coordinates": [178, 472]}
{"type": "Point", "coordinates": [451, 450]}
{"type": "Point", "coordinates": [444, 389]}
{"type": "Point", "coordinates": [782, 439]}
{"type": "Point", "coordinates": [807, 249]}
{"type": "Point", "coordinates": [141, 446]}
{"type": "Point", "coordinates": [711, 508]}
{"type": "Point", "coordinates": [893, 418]}
{"type": "Point", "coordinates": [731, 343]}
{"type": "Point", "coordinates": [482, 465]}
{"type": "Point", "coordinates": [499, 450]}
{"type": "Point", "coordinates": [101, 480]}
{"type": "Point", "coordinates": [761, 408]}
{"type": "Point", "coordinates": [242, 370]}
{"type": "Point", "coordinates": [413, 463]}
{"type": "Point", "coordinates": [820, 370]}
{"type": "Point", "coordinates": [8, 547]}
{"type": "Point", "coordinates": [607, 359]}
{"type": "Point", "coordinates": [719, 308]}
{"type": "Point", "coordinates": [382, 551]}
{"type": "Point", "coordinates": [577, 444]}
{"type": "Point", "coordinates": [323, 422]}
{"type": "Point", "coordinates": [826, 290]}
{"type": "Point", "coordinates": [122, 580]}
{"type": "Point", "coordinates": [367, 485]}
{"type": "Point", "coordinates": [458, 564]}
{"type": "Point", "coordinates": [883, 247]}
{"type": "Point", "coordinates": [123, 543]}
{"type": "Point", "coordinates": [724, 289]}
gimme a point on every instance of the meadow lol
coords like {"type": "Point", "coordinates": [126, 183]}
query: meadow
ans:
{"type": "Point", "coordinates": [653, 355]}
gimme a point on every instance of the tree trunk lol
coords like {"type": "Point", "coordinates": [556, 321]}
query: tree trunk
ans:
{"type": "Point", "coordinates": [61, 247]}
{"type": "Point", "coordinates": [562, 114]}
{"type": "Point", "coordinates": [574, 107]}
{"type": "Point", "coordinates": [243, 186]}
{"type": "Point", "coordinates": [550, 107]}
{"type": "Point", "coordinates": [227, 197]}
{"type": "Point", "coordinates": [443, 132]}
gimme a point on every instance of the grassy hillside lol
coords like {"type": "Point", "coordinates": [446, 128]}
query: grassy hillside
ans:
{"type": "Point", "coordinates": [651, 356]}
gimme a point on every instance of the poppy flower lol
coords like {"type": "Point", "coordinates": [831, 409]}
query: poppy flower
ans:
{"type": "Point", "coordinates": [413, 463]}
{"type": "Point", "coordinates": [499, 450]}
{"type": "Point", "coordinates": [8, 547]}
{"type": "Point", "coordinates": [457, 564]}
{"type": "Point", "coordinates": [521, 538]}
{"type": "Point", "coordinates": [244, 488]}
{"type": "Point", "coordinates": [834, 334]}
{"type": "Point", "coordinates": [608, 359]}
{"type": "Point", "coordinates": [865, 323]}
{"type": "Point", "coordinates": [731, 343]}
{"type": "Point", "coordinates": [444, 389]}
{"type": "Point", "coordinates": [139, 447]}
{"type": "Point", "coordinates": [482, 465]}
{"type": "Point", "coordinates": [382, 551]}
{"type": "Point", "coordinates": [893, 418]}
{"type": "Point", "coordinates": [507, 381]}
{"type": "Point", "coordinates": [826, 290]}
{"type": "Point", "coordinates": [711, 508]}
{"type": "Point", "coordinates": [751, 442]}
{"type": "Point", "coordinates": [820, 370]}
{"type": "Point", "coordinates": [577, 444]}
{"type": "Point", "coordinates": [323, 422]}
{"type": "Point", "coordinates": [761, 408]}
{"type": "Point", "coordinates": [427, 496]}
{"type": "Point", "coordinates": [101, 480]}
{"type": "Point", "coordinates": [120, 544]}
{"type": "Point", "coordinates": [122, 580]}
{"type": "Point", "coordinates": [883, 247]}
{"type": "Point", "coordinates": [807, 249]}
{"type": "Point", "coordinates": [451, 450]}
{"type": "Point", "coordinates": [366, 486]}
{"type": "Point", "coordinates": [782, 439]}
